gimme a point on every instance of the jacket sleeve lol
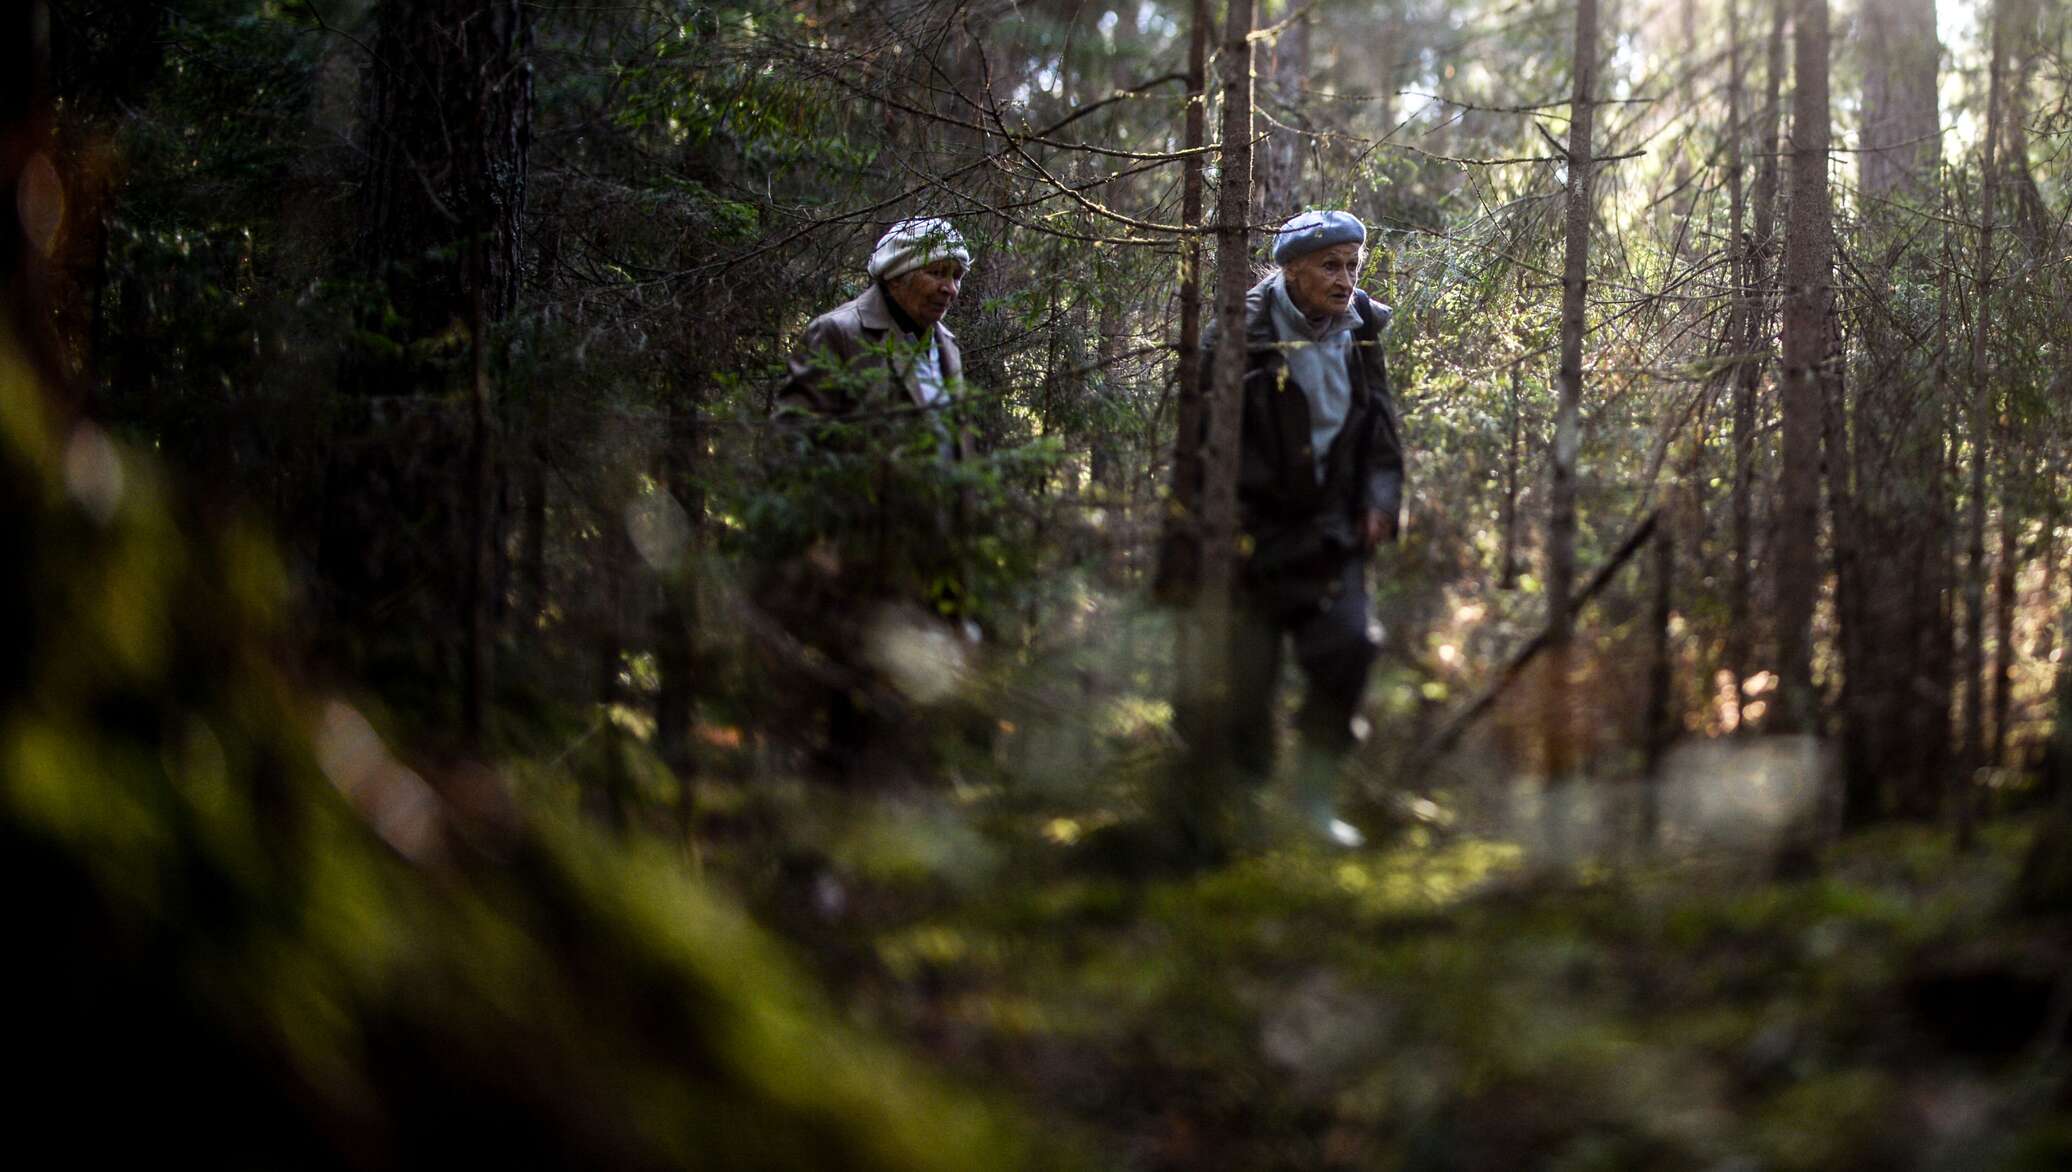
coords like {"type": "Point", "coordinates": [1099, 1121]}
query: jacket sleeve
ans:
{"type": "Point", "coordinates": [808, 389]}
{"type": "Point", "coordinates": [1382, 465]}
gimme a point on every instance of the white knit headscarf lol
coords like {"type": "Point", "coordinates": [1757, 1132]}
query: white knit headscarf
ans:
{"type": "Point", "coordinates": [916, 244]}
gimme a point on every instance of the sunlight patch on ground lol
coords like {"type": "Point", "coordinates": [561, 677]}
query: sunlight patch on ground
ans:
{"type": "Point", "coordinates": [1751, 796]}
{"type": "Point", "coordinates": [923, 659]}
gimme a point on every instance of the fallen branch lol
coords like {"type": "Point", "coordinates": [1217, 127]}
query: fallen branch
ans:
{"type": "Point", "coordinates": [1449, 733]}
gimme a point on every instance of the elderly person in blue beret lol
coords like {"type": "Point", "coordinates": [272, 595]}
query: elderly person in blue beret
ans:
{"type": "Point", "coordinates": [1320, 486]}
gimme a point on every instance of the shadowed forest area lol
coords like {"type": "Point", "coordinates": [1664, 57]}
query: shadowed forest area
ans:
{"type": "Point", "coordinates": [485, 685]}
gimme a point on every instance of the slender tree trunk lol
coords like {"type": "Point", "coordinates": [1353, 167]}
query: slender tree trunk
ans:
{"type": "Point", "coordinates": [1105, 465]}
{"type": "Point", "coordinates": [1895, 455]}
{"type": "Point", "coordinates": [676, 619]}
{"type": "Point", "coordinates": [1233, 280]}
{"type": "Point", "coordinates": [532, 549]}
{"type": "Point", "coordinates": [1514, 467]}
{"type": "Point", "coordinates": [407, 547]}
{"type": "Point", "coordinates": [1740, 333]}
{"type": "Point", "coordinates": [1756, 341]}
{"type": "Point", "coordinates": [1659, 729]}
{"type": "Point", "coordinates": [1899, 149]}
{"type": "Point", "coordinates": [2003, 605]}
{"type": "Point", "coordinates": [1683, 178]}
{"type": "Point", "coordinates": [483, 537]}
{"type": "Point", "coordinates": [1180, 552]}
{"type": "Point", "coordinates": [1205, 792]}
{"type": "Point", "coordinates": [1858, 799]}
{"type": "Point", "coordinates": [1808, 267]}
{"type": "Point", "coordinates": [2047, 552]}
{"type": "Point", "coordinates": [1935, 630]}
{"type": "Point", "coordinates": [1575, 274]}
{"type": "Point", "coordinates": [1981, 412]}
{"type": "Point", "coordinates": [1280, 171]}
{"type": "Point", "coordinates": [602, 791]}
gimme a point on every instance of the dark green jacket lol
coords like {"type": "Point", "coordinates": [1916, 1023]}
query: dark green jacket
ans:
{"type": "Point", "coordinates": [1300, 530]}
{"type": "Point", "coordinates": [885, 522]}
{"type": "Point", "coordinates": [852, 339]}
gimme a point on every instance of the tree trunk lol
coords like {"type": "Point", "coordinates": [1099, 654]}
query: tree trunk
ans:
{"type": "Point", "coordinates": [1105, 466]}
{"type": "Point", "coordinates": [1898, 143]}
{"type": "Point", "coordinates": [1287, 74]}
{"type": "Point", "coordinates": [1981, 412]}
{"type": "Point", "coordinates": [1859, 791]}
{"type": "Point", "coordinates": [1896, 452]}
{"type": "Point", "coordinates": [1233, 280]}
{"type": "Point", "coordinates": [1740, 334]}
{"type": "Point", "coordinates": [1575, 274]}
{"type": "Point", "coordinates": [407, 543]}
{"type": "Point", "coordinates": [2003, 604]}
{"type": "Point", "coordinates": [1748, 383]}
{"type": "Point", "coordinates": [1514, 467]}
{"type": "Point", "coordinates": [1808, 292]}
{"type": "Point", "coordinates": [449, 132]}
{"type": "Point", "coordinates": [1659, 724]}
{"type": "Point", "coordinates": [1180, 552]}
{"type": "Point", "coordinates": [676, 619]}
{"type": "Point", "coordinates": [483, 538]}
{"type": "Point", "coordinates": [1202, 789]}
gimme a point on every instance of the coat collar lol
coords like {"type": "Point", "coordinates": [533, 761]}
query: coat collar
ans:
{"type": "Point", "coordinates": [871, 311]}
{"type": "Point", "coordinates": [1294, 325]}
{"type": "Point", "coordinates": [872, 314]}
{"type": "Point", "coordinates": [873, 317]}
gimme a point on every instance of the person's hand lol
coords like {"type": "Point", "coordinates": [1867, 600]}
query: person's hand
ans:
{"type": "Point", "coordinates": [1376, 527]}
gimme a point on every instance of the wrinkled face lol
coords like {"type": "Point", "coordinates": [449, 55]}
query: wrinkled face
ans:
{"type": "Point", "coordinates": [926, 294]}
{"type": "Point", "coordinates": [1321, 282]}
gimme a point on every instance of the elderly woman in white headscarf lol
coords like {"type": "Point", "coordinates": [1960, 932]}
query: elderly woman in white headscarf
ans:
{"type": "Point", "coordinates": [886, 564]}
{"type": "Point", "coordinates": [894, 327]}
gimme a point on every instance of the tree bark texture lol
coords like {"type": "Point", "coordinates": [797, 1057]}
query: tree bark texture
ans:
{"type": "Point", "coordinates": [448, 136]}
{"type": "Point", "coordinates": [1180, 551]}
{"type": "Point", "coordinates": [1892, 742]}
{"type": "Point", "coordinates": [1748, 383]}
{"type": "Point", "coordinates": [1233, 280]}
{"type": "Point", "coordinates": [1741, 334]}
{"type": "Point", "coordinates": [409, 525]}
{"type": "Point", "coordinates": [1658, 729]}
{"type": "Point", "coordinates": [1514, 468]}
{"type": "Point", "coordinates": [1575, 274]}
{"type": "Point", "coordinates": [1980, 427]}
{"type": "Point", "coordinates": [2004, 569]}
{"type": "Point", "coordinates": [1285, 107]}
{"type": "Point", "coordinates": [1808, 266]}
{"type": "Point", "coordinates": [1203, 792]}
{"type": "Point", "coordinates": [1899, 144]}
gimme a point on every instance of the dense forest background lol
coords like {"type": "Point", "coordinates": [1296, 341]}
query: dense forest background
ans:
{"type": "Point", "coordinates": [408, 731]}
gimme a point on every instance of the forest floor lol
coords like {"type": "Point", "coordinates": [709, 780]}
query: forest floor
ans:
{"type": "Point", "coordinates": [1439, 1002]}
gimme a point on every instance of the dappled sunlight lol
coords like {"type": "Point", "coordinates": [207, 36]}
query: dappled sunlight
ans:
{"type": "Point", "coordinates": [652, 586]}
{"type": "Point", "coordinates": [923, 659]}
{"type": "Point", "coordinates": [93, 472]}
{"type": "Point", "coordinates": [396, 802]}
{"type": "Point", "coordinates": [1744, 798]}
{"type": "Point", "coordinates": [1747, 795]}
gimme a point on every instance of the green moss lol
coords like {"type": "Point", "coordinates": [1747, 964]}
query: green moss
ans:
{"type": "Point", "coordinates": [1839, 1120]}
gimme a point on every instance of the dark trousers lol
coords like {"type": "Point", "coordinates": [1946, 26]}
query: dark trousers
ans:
{"type": "Point", "coordinates": [1328, 628]}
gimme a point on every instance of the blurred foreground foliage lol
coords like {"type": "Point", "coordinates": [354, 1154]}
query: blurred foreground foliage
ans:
{"type": "Point", "coordinates": [1446, 1002]}
{"type": "Point", "coordinates": [250, 935]}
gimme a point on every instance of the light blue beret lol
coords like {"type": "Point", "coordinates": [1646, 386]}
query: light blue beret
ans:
{"type": "Point", "coordinates": [1305, 232]}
